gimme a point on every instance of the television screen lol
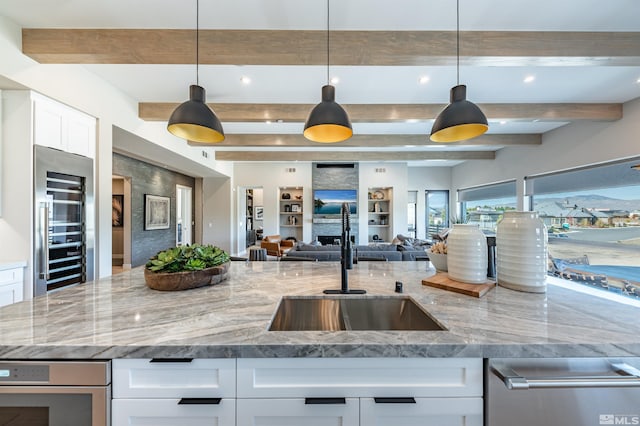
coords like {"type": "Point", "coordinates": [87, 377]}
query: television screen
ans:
{"type": "Point", "coordinates": [329, 201]}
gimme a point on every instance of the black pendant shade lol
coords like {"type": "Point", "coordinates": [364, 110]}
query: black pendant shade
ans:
{"type": "Point", "coordinates": [328, 122]}
{"type": "Point", "coordinates": [460, 120]}
{"type": "Point", "coordinates": [194, 121]}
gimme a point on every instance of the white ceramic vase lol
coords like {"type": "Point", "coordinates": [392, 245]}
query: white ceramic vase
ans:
{"type": "Point", "coordinates": [521, 252]}
{"type": "Point", "coordinates": [467, 254]}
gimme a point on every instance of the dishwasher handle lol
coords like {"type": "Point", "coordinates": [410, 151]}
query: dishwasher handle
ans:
{"type": "Point", "coordinates": [627, 376]}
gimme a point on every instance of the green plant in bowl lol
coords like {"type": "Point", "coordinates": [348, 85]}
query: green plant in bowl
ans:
{"type": "Point", "coordinates": [195, 257]}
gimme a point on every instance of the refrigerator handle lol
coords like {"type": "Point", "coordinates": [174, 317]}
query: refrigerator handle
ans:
{"type": "Point", "coordinates": [44, 242]}
{"type": "Point", "coordinates": [627, 376]}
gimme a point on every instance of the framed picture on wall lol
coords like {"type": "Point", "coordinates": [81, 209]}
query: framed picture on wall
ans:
{"type": "Point", "coordinates": [117, 210]}
{"type": "Point", "coordinates": [295, 208]}
{"type": "Point", "coordinates": [156, 212]}
{"type": "Point", "coordinates": [259, 212]}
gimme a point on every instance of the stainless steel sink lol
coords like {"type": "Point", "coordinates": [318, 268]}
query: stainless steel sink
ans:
{"type": "Point", "coordinates": [351, 313]}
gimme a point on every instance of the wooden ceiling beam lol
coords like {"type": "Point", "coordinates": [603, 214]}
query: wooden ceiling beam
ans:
{"type": "Point", "coordinates": [373, 141]}
{"type": "Point", "coordinates": [392, 113]}
{"type": "Point", "coordinates": [304, 47]}
{"type": "Point", "coordinates": [351, 155]}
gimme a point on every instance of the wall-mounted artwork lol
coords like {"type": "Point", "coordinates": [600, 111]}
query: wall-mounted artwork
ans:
{"type": "Point", "coordinates": [156, 212]}
{"type": "Point", "coordinates": [259, 212]}
{"type": "Point", "coordinates": [117, 210]}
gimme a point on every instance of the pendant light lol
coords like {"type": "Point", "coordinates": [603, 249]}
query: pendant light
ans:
{"type": "Point", "coordinates": [328, 122]}
{"type": "Point", "coordinates": [461, 119]}
{"type": "Point", "coordinates": [193, 120]}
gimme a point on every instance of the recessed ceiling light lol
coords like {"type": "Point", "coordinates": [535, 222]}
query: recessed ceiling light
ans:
{"type": "Point", "coordinates": [245, 80]}
{"type": "Point", "coordinates": [268, 121]}
{"type": "Point", "coordinates": [411, 120]}
{"type": "Point", "coordinates": [503, 122]}
{"type": "Point", "coordinates": [638, 80]}
{"type": "Point", "coordinates": [529, 79]}
{"type": "Point", "coordinates": [424, 79]}
{"type": "Point", "coordinates": [335, 80]}
{"type": "Point", "coordinates": [409, 146]}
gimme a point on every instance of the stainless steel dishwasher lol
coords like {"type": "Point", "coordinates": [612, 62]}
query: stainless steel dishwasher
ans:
{"type": "Point", "coordinates": [562, 391]}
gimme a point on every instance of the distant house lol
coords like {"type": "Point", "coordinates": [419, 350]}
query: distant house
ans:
{"type": "Point", "coordinates": [555, 214]}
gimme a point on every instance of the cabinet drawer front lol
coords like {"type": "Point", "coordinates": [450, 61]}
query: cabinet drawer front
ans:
{"type": "Point", "coordinates": [359, 377]}
{"type": "Point", "coordinates": [167, 412]}
{"type": "Point", "coordinates": [207, 378]}
{"type": "Point", "coordinates": [10, 293]}
{"type": "Point", "coordinates": [9, 276]}
{"type": "Point", "coordinates": [294, 412]}
{"type": "Point", "coordinates": [424, 412]}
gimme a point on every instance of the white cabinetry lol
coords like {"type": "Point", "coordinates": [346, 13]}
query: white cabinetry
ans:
{"type": "Point", "coordinates": [174, 392]}
{"type": "Point", "coordinates": [409, 391]}
{"type": "Point", "coordinates": [11, 285]}
{"type": "Point", "coordinates": [61, 127]}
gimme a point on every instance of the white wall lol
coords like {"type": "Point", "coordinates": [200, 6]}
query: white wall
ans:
{"type": "Point", "coordinates": [570, 146]}
{"type": "Point", "coordinates": [219, 213]}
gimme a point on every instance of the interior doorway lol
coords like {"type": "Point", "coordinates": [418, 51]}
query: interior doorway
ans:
{"type": "Point", "coordinates": [120, 223]}
{"type": "Point", "coordinates": [250, 221]}
{"type": "Point", "coordinates": [184, 215]}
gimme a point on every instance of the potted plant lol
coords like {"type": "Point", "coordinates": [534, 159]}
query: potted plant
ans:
{"type": "Point", "coordinates": [184, 267]}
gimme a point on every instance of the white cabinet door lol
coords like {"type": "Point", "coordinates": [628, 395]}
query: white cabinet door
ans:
{"type": "Point", "coordinates": [424, 412]}
{"type": "Point", "coordinates": [61, 127]}
{"type": "Point", "coordinates": [11, 286]}
{"type": "Point", "coordinates": [168, 412]}
{"type": "Point", "coordinates": [48, 124]}
{"type": "Point", "coordinates": [144, 378]}
{"type": "Point", "coordinates": [297, 412]}
{"type": "Point", "coordinates": [359, 377]}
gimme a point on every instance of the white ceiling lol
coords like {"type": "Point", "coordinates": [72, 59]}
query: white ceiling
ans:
{"type": "Point", "coordinates": [487, 83]}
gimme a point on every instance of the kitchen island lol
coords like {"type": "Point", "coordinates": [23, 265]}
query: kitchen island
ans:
{"type": "Point", "coordinates": [119, 317]}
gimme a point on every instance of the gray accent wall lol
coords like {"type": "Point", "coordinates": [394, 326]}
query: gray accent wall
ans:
{"type": "Point", "coordinates": [334, 178]}
{"type": "Point", "coordinates": [149, 179]}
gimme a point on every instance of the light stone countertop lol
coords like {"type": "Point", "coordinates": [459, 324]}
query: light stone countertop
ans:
{"type": "Point", "coordinates": [119, 317]}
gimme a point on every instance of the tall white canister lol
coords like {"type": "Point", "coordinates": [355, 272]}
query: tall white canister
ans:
{"type": "Point", "coordinates": [467, 254]}
{"type": "Point", "coordinates": [521, 252]}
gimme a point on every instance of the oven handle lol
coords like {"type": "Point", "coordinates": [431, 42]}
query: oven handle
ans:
{"type": "Point", "coordinates": [627, 376]}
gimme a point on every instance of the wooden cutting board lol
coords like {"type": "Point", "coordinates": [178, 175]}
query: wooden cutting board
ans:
{"type": "Point", "coordinates": [442, 280]}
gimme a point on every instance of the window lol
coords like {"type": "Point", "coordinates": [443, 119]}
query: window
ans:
{"type": "Point", "coordinates": [593, 219]}
{"type": "Point", "coordinates": [437, 211]}
{"type": "Point", "coordinates": [412, 213]}
{"type": "Point", "coordinates": [485, 205]}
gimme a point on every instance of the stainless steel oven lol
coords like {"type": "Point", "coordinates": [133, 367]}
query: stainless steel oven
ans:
{"type": "Point", "coordinates": [55, 393]}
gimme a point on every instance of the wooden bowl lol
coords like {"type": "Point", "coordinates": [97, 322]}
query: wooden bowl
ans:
{"type": "Point", "coordinates": [171, 281]}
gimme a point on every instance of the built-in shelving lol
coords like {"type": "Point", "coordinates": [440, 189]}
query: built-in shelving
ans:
{"type": "Point", "coordinates": [379, 214]}
{"type": "Point", "coordinates": [290, 212]}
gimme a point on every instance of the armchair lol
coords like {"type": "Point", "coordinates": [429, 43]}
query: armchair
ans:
{"type": "Point", "coordinates": [276, 246]}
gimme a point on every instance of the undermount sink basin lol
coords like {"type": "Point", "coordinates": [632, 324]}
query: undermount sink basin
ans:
{"type": "Point", "coordinates": [341, 313]}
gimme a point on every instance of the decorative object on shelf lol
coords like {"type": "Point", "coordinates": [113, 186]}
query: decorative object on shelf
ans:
{"type": "Point", "coordinates": [292, 220]}
{"type": "Point", "coordinates": [467, 254]}
{"type": "Point", "coordinates": [193, 120]}
{"type": "Point", "coordinates": [378, 195]}
{"type": "Point", "coordinates": [185, 267]}
{"type": "Point", "coordinates": [286, 196]}
{"type": "Point", "coordinates": [295, 208]}
{"type": "Point", "coordinates": [156, 212]}
{"type": "Point", "coordinates": [287, 208]}
{"type": "Point", "coordinates": [259, 213]}
{"type": "Point", "coordinates": [376, 207]}
{"type": "Point", "coordinates": [328, 122]}
{"type": "Point", "coordinates": [461, 119]}
{"type": "Point", "coordinates": [522, 250]}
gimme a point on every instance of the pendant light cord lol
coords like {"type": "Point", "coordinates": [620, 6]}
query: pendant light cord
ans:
{"type": "Point", "coordinates": [198, 42]}
{"type": "Point", "coordinates": [458, 41]}
{"type": "Point", "coordinates": [328, 41]}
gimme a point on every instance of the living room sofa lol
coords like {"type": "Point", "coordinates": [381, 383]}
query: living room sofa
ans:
{"type": "Point", "coordinates": [389, 252]}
